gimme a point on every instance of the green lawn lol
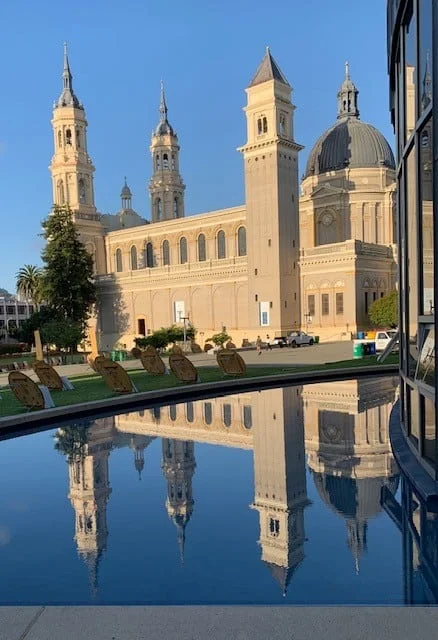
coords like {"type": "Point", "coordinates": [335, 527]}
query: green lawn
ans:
{"type": "Point", "coordinates": [92, 387]}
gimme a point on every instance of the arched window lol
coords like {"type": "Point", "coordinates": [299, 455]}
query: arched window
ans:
{"type": "Point", "coordinates": [78, 138]}
{"type": "Point", "coordinates": [68, 136]}
{"type": "Point", "coordinates": [61, 194]}
{"type": "Point", "coordinates": [173, 161]}
{"type": "Point", "coordinates": [282, 124]}
{"type": "Point", "coordinates": [59, 139]}
{"type": "Point", "coordinates": [221, 248]}
{"type": "Point", "coordinates": [259, 127]}
{"type": "Point", "coordinates": [241, 241]}
{"type": "Point", "coordinates": [157, 161]}
{"type": "Point", "coordinates": [149, 255]}
{"type": "Point", "coordinates": [189, 412]}
{"type": "Point", "coordinates": [158, 208]}
{"type": "Point", "coordinates": [165, 161]}
{"type": "Point", "coordinates": [265, 125]}
{"type": "Point", "coordinates": [227, 415]}
{"type": "Point", "coordinates": [175, 207]}
{"type": "Point", "coordinates": [202, 253]}
{"type": "Point", "coordinates": [247, 416]}
{"type": "Point", "coordinates": [119, 265]}
{"type": "Point", "coordinates": [82, 191]}
{"type": "Point", "coordinates": [134, 264]}
{"type": "Point", "coordinates": [183, 250]}
{"type": "Point", "coordinates": [208, 413]}
{"type": "Point", "coordinates": [165, 252]}
{"type": "Point", "coordinates": [172, 412]}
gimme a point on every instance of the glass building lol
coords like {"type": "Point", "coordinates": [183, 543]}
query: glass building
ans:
{"type": "Point", "coordinates": [412, 63]}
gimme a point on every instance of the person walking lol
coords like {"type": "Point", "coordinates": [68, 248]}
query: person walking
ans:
{"type": "Point", "coordinates": [268, 343]}
{"type": "Point", "coordinates": [259, 345]}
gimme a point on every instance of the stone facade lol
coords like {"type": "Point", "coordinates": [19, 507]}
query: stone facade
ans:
{"type": "Point", "coordinates": [253, 268]}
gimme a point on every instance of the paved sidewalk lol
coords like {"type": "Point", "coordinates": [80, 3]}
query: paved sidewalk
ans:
{"type": "Point", "coordinates": [317, 354]}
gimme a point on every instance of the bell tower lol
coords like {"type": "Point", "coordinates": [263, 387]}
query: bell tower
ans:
{"type": "Point", "coordinates": [271, 187]}
{"type": "Point", "coordinates": [166, 186]}
{"type": "Point", "coordinates": [178, 467]}
{"type": "Point", "coordinates": [72, 169]}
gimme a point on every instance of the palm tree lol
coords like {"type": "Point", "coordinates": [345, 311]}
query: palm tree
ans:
{"type": "Point", "coordinates": [29, 283]}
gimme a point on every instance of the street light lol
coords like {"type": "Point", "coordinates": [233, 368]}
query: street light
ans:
{"type": "Point", "coordinates": [184, 318]}
{"type": "Point", "coordinates": [308, 318]}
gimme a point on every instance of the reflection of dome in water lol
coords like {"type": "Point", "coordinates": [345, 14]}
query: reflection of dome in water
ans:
{"type": "Point", "coordinates": [353, 497]}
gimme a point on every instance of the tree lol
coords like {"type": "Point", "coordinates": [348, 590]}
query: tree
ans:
{"type": "Point", "coordinates": [63, 333]}
{"type": "Point", "coordinates": [36, 321]}
{"type": "Point", "coordinates": [158, 339]}
{"type": "Point", "coordinates": [29, 283]}
{"type": "Point", "coordinates": [67, 284]}
{"type": "Point", "coordinates": [70, 441]}
{"type": "Point", "coordinates": [219, 339]}
{"type": "Point", "coordinates": [384, 312]}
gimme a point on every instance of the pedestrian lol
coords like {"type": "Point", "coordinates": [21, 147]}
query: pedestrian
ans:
{"type": "Point", "coordinates": [268, 343]}
{"type": "Point", "coordinates": [259, 345]}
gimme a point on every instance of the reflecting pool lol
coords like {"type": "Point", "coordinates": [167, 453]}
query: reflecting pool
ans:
{"type": "Point", "coordinates": [268, 497]}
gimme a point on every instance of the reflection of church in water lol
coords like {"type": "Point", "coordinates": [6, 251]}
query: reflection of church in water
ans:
{"type": "Point", "coordinates": [342, 426]}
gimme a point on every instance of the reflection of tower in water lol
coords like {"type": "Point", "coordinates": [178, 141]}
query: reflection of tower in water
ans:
{"type": "Point", "coordinates": [178, 464]}
{"type": "Point", "coordinates": [349, 452]}
{"type": "Point", "coordinates": [280, 480]}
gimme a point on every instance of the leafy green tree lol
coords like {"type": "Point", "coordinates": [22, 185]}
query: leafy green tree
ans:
{"type": "Point", "coordinates": [29, 283]}
{"type": "Point", "coordinates": [70, 441]}
{"type": "Point", "coordinates": [384, 312]}
{"type": "Point", "coordinates": [158, 339]}
{"type": "Point", "coordinates": [67, 284]}
{"type": "Point", "coordinates": [63, 333]}
{"type": "Point", "coordinates": [219, 339]}
{"type": "Point", "coordinates": [36, 321]}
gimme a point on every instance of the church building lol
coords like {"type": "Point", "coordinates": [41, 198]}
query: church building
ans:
{"type": "Point", "coordinates": [277, 263]}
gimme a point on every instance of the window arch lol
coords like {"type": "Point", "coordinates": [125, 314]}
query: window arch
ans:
{"type": "Point", "coordinates": [221, 246]}
{"type": "Point", "coordinates": [208, 413]}
{"type": "Point", "coordinates": [165, 161]}
{"type": "Point", "coordinates": [134, 263]}
{"type": "Point", "coordinates": [119, 264]}
{"type": "Point", "coordinates": [172, 412]}
{"type": "Point", "coordinates": [165, 253]}
{"type": "Point", "coordinates": [175, 207]}
{"type": "Point", "coordinates": [259, 127]}
{"type": "Point", "coordinates": [241, 241]}
{"type": "Point", "coordinates": [173, 161]}
{"type": "Point", "coordinates": [190, 412]}
{"type": "Point", "coordinates": [158, 208]}
{"type": "Point", "coordinates": [265, 124]}
{"type": "Point", "coordinates": [59, 139]}
{"type": "Point", "coordinates": [61, 194]}
{"type": "Point", "coordinates": [282, 123]}
{"type": "Point", "coordinates": [68, 136]}
{"type": "Point", "coordinates": [247, 416]}
{"type": "Point", "coordinates": [82, 191]}
{"type": "Point", "coordinates": [183, 250]}
{"type": "Point", "coordinates": [157, 162]}
{"type": "Point", "coordinates": [202, 252]}
{"type": "Point", "coordinates": [78, 138]}
{"type": "Point", "coordinates": [226, 409]}
{"type": "Point", "coordinates": [149, 255]}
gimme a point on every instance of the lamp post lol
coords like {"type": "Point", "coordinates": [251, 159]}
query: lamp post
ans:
{"type": "Point", "coordinates": [308, 318]}
{"type": "Point", "coordinates": [184, 319]}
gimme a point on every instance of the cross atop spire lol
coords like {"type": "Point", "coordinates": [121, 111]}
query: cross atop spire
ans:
{"type": "Point", "coordinates": [163, 105]}
{"type": "Point", "coordinates": [67, 97]}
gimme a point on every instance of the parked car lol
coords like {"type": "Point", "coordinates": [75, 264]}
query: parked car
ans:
{"type": "Point", "coordinates": [383, 338]}
{"type": "Point", "coordinates": [297, 338]}
{"type": "Point", "coordinates": [278, 342]}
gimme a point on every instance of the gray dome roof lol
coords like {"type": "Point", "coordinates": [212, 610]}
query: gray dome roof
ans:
{"type": "Point", "coordinates": [349, 143]}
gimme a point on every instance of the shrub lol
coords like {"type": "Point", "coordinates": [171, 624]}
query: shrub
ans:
{"type": "Point", "coordinates": [219, 339]}
{"type": "Point", "coordinates": [384, 312]}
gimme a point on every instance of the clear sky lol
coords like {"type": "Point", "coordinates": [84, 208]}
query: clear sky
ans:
{"type": "Point", "coordinates": [206, 52]}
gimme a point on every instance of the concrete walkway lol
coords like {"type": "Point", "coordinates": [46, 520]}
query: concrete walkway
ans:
{"type": "Point", "coordinates": [317, 354]}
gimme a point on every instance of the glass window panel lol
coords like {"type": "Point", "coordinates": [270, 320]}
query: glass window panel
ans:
{"type": "Point", "coordinates": [208, 413]}
{"type": "Point", "coordinates": [427, 230]}
{"type": "Point", "coordinates": [429, 442]}
{"type": "Point", "coordinates": [183, 250]}
{"type": "Point", "coordinates": [119, 266]}
{"type": "Point", "coordinates": [149, 255]}
{"type": "Point", "coordinates": [202, 253]}
{"type": "Point", "coordinates": [166, 253]}
{"type": "Point", "coordinates": [425, 54]}
{"type": "Point", "coordinates": [247, 416]}
{"type": "Point", "coordinates": [241, 241]}
{"type": "Point", "coordinates": [339, 304]}
{"type": "Point", "coordinates": [172, 412]}
{"type": "Point", "coordinates": [426, 361]}
{"type": "Point", "coordinates": [134, 258]}
{"type": "Point", "coordinates": [412, 250]}
{"type": "Point", "coordinates": [227, 415]}
{"type": "Point", "coordinates": [325, 307]}
{"type": "Point", "coordinates": [410, 76]}
{"type": "Point", "coordinates": [221, 248]}
{"type": "Point", "coordinates": [414, 414]}
{"type": "Point", "coordinates": [190, 412]}
{"type": "Point", "coordinates": [311, 305]}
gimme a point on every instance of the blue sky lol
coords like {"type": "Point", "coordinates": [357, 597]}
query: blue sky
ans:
{"type": "Point", "coordinates": [206, 53]}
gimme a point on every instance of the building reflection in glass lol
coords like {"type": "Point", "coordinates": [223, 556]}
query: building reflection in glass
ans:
{"type": "Point", "coordinates": [343, 428]}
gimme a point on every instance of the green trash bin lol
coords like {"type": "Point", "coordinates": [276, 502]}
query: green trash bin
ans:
{"type": "Point", "coordinates": [123, 355]}
{"type": "Point", "coordinates": [358, 350]}
{"type": "Point", "coordinates": [114, 356]}
{"type": "Point", "coordinates": [316, 339]}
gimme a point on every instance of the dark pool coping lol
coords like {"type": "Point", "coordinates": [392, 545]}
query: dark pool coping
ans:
{"type": "Point", "coordinates": [409, 462]}
{"type": "Point", "coordinates": [26, 422]}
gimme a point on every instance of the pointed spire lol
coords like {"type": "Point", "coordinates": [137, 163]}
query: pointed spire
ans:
{"type": "Point", "coordinates": [426, 95]}
{"type": "Point", "coordinates": [267, 70]}
{"type": "Point", "coordinates": [181, 537]}
{"type": "Point", "coordinates": [347, 97]}
{"type": "Point", "coordinates": [67, 97]}
{"type": "Point", "coordinates": [164, 127]}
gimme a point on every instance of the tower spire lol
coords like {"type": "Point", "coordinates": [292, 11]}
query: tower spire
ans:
{"type": "Point", "coordinates": [347, 97]}
{"type": "Point", "coordinates": [164, 127]}
{"type": "Point", "coordinates": [163, 105]}
{"type": "Point", "coordinates": [67, 97]}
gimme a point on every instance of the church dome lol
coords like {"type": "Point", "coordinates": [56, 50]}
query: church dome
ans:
{"type": "Point", "coordinates": [349, 142]}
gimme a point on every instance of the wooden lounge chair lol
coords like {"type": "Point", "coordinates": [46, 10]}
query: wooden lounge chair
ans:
{"type": "Point", "coordinates": [152, 362]}
{"type": "Point", "coordinates": [50, 378]}
{"type": "Point", "coordinates": [28, 392]}
{"type": "Point", "coordinates": [115, 376]}
{"type": "Point", "coordinates": [183, 368]}
{"type": "Point", "coordinates": [230, 362]}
